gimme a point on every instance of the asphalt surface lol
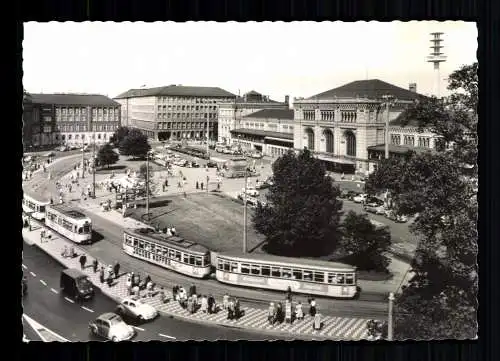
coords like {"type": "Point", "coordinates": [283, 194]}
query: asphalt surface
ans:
{"type": "Point", "coordinates": [46, 305]}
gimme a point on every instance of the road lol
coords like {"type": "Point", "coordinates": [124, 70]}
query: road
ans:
{"type": "Point", "coordinates": [45, 304]}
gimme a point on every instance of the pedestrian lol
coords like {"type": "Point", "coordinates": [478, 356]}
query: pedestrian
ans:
{"type": "Point", "coordinates": [289, 294]}
{"type": "Point", "coordinates": [299, 314]}
{"type": "Point", "coordinates": [210, 302]}
{"type": "Point", "coordinates": [95, 264]}
{"type": "Point", "coordinates": [288, 311]}
{"type": "Point", "coordinates": [225, 301]}
{"type": "Point", "coordinates": [317, 322]}
{"type": "Point", "coordinates": [173, 231]}
{"type": "Point", "coordinates": [42, 236]}
{"type": "Point", "coordinates": [192, 290]}
{"type": "Point", "coordinates": [64, 253]}
{"type": "Point", "coordinates": [83, 260]}
{"type": "Point", "coordinates": [101, 274]}
{"type": "Point", "coordinates": [204, 304]}
{"type": "Point", "coordinates": [271, 313]}
{"type": "Point", "coordinates": [201, 185]}
{"type": "Point", "coordinates": [312, 307]}
{"type": "Point", "coordinates": [129, 285]}
{"type": "Point", "coordinates": [116, 269]}
{"type": "Point", "coordinates": [163, 296]}
{"type": "Point", "coordinates": [197, 185]}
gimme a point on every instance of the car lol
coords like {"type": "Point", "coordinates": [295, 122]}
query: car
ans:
{"type": "Point", "coordinates": [375, 208]}
{"type": "Point", "coordinates": [392, 215]}
{"type": "Point", "coordinates": [250, 191]}
{"type": "Point", "coordinates": [256, 155]}
{"type": "Point", "coordinates": [360, 198]}
{"type": "Point", "coordinates": [211, 164]}
{"type": "Point", "coordinates": [194, 165]}
{"type": "Point", "coordinates": [111, 326]}
{"type": "Point", "coordinates": [137, 309]}
{"type": "Point", "coordinates": [262, 185]}
{"type": "Point", "coordinates": [49, 154]}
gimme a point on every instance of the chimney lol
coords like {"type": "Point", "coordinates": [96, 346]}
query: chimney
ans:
{"type": "Point", "coordinates": [287, 99]}
{"type": "Point", "coordinates": [413, 87]}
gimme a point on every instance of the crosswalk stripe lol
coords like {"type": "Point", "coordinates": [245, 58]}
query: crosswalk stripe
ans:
{"type": "Point", "coordinates": [260, 322]}
{"type": "Point", "coordinates": [338, 326]}
{"type": "Point", "coordinates": [256, 319]}
{"type": "Point", "coordinates": [357, 335]}
{"type": "Point", "coordinates": [329, 326]}
{"type": "Point", "coordinates": [354, 327]}
{"type": "Point", "coordinates": [252, 315]}
{"type": "Point", "coordinates": [341, 332]}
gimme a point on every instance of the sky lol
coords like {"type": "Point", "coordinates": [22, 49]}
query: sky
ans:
{"type": "Point", "coordinates": [299, 59]}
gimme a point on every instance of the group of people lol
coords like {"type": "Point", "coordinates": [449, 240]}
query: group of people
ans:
{"type": "Point", "coordinates": [277, 313]}
{"type": "Point", "coordinates": [192, 301]}
{"type": "Point", "coordinates": [135, 285]}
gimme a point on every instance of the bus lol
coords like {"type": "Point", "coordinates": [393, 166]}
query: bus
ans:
{"type": "Point", "coordinates": [171, 252]}
{"type": "Point", "coordinates": [305, 276]}
{"type": "Point", "coordinates": [235, 167]}
{"type": "Point", "coordinates": [69, 223]}
{"type": "Point", "coordinates": [34, 205]}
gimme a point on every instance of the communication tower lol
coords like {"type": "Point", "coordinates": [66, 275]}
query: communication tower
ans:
{"type": "Point", "coordinates": [436, 57]}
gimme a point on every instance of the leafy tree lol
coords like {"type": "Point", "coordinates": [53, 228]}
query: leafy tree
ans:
{"type": "Point", "coordinates": [119, 135]}
{"type": "Point", "coordinates": [440, 301]}
{"type": "Point", "coordinates": [302, 213]}
{"type": "Point", "coordinates": [364, 244]}
{"type": "Point", "coordinates": [143, 174]}
{"type": "Point", "coordinates": [134, 144]}
{"type": "Point", "coordinates": [107, 156]}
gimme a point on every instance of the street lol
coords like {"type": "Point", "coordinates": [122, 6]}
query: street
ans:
{"type": "Point", "coordinates": [48, 307]}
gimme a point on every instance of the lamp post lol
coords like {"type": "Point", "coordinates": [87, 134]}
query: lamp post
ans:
{"type": "Point", "coordinates": [94, 163]}
{"type": "Point", "coordinates": [83, 159]}
{"type": "Point", "coordinates": [389, 319]}
{"type": "Point", "coordinates": [208, 129]}
{"type": "Point", "coordinates": [389, 100]}
{"type": "Point", "coordinates": [245, 211]}
{"type": "Point", "coordinates": [147, 184]}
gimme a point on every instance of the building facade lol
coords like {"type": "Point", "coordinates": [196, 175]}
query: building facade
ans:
{"type": "Point", "coordinates": [269, 131]}
{"type": "Point", "coordinates": [339, 125]}
{"type": "Point", "coordinates": [174, 111]}
{"type": "Point", "coordinates": [71, 119]}
{"type": "Point", "coordinates": [231, 114]}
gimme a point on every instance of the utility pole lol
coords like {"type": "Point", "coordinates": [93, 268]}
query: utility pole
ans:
{"type": "Point", "coordinates": [388, 100]}
{"type": "Point", "coordinates": [208, 129]}
{"type": "Point", "coordinates": [389, 320]}
{"type": "Point", "coordinates": [147, 185]}
{"type": "Point", "coordinates": [83, 159]}
{"type": "Point", "coordinates": [245, 213]}
{"type": "Point", "coordinates": [94, 163]}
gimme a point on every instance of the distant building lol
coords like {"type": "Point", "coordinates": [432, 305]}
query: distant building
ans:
{"type": "Point", "coordinates": [174, 111]}
{"type": "Point", "coordinates": [340, 125]}
{"type": "Point", "coordinates": [231, 114]}
{"type": "Point", "coordinates": [51, 119]}
{"type": "Point", "coordinates": [269, 131]}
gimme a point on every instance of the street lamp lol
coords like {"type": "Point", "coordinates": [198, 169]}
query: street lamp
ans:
{"type": "Point", "coordinates": [147, 183]}
{"type": "Point", "coordinates": [94, 163]}
{"type": "Point", "coordinates": [389, 100]}
{"type": "Point", "coordinates": [245, 210]}
{"type": "Point", "coordinates": [389, 319]}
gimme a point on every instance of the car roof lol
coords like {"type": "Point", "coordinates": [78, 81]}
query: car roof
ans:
{"type": "Point", "coordinates": [108, 316]}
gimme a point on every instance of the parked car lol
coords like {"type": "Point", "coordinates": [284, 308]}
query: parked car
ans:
{"type": "Point", "coordinates": [251, 191]}
{"type": "Point", "coordinates": [374, 208]}
{"type": "Point", "coordinates": [395, 217]}
{"type": "Point", "coordinates": [211, 164]}
{"type": "Point", "coordinates": [256, 155]}
{"type": "Point", "coordinates": [62, 148]}
{"type": "Point", "coordinates": [360, 198]}
{"type": "Point", "coordinates": [136, 309]}
{"type": "Point", "coordinates": [111, 326]}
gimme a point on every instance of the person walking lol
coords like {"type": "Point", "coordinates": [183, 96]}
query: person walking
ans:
{"type": "Point", "coordinates": [83, 260]}
{"type": "Point", "coordinates": [312, 307]}
{"type": "Point", "coordinates": [197, 185]}
{"type": "Point", "coordinates": [192, 290]}
{"type": "Point", "coordinates": [116, 269]}
{"type": "Point", "coordinates": [204, 304]}
{"type": "Point", "coordinates": [288, 312]}
{"type": "Point", "coordinates": [129, 284]}
{"type": "Point", "coordinates": [95, 264]}
{"type": "Point", "coordinates": [299, 313]}
{"type": "Point", "coordinates": [201, 185]}
{"type": "Point", "coordinates": [289, 294]}
{"type": "Point", "coordinates": [101, 274]}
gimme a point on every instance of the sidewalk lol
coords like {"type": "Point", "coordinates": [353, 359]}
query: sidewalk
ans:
{"type": "Point", "coordinates": [253, 318]}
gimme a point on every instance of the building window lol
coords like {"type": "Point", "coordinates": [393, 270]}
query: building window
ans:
{"type": "Point", "coordinates": [308, 114]}
{"type": "Point", "coordinates": [350, 143]}
{"type": "Point", "coordinates": [328, 140]}
{"type": "Point", "coordinates": [327, 115]}
{"type": "Point", "coordinates": [395, 139]}
{"type": "Point", "coordinates": [424, 142]}
{"type": "Point", "coordinates": [47, 118]}
{"type": "Point", "coordinates": [409, 140]}
{"type": "Point", "coordinates": [310, 138]}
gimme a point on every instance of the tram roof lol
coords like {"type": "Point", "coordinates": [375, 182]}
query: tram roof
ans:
{"type": "Point", "coordinates": [35, 196]}
{"type": "Point", "coordinates": [68, 211]}
{"type": "Point", "coordinates": [290, 261]}
{"type": "Point", "coordinates": [174, 241]}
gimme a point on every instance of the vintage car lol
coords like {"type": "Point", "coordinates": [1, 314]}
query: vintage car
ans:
{"type": "Point", "coordinates": [111, 326]}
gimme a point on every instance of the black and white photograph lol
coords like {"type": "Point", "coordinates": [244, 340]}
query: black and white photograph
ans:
{"type": "Point", "coordinates": [249, 181]}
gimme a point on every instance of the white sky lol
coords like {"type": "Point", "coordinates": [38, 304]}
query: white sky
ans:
{"type": "Point", "coordinates": [273, 58]}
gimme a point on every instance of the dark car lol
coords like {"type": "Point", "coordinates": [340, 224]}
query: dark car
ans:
{"type": "Point", "coordinates": [211, 164]}
{"type": "Point", "coordinates": [262, 185]}
{"type": "Point", "coordinates": [76, 284]}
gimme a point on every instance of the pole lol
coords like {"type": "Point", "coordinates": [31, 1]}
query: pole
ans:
{"type": "Point", "coordinates": [83, 159]}
{"type": "Point", "coordinates": [94, 163]}
{"type": "Point", "coordinates": [208, 149]}
{"type": "Point", "coordinates": [245, 214]}
{"type": "Point", "coordinates": [389, 320]}
{"type": "Point", "coordinates": [147, 185]}
{"type": "Point", "coordinates": [387, 129]}
{"type": "Point", "coordinates": [207, 182]}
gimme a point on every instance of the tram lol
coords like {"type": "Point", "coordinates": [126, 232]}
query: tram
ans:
{"type": "Point", "coordinates": [34, 205]}
{"type": "Point", "coordinates": [171, 252]}
{"type": "Point", "coordinates": [69, 222]}
{"type": "Point", "coordinates": [305, 276]}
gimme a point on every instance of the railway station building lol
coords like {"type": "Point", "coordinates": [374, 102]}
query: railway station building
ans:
{"type": "Point", "coordinates": [173, 112]}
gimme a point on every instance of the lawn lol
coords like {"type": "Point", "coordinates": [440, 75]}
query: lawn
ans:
{"type": "Point", "coordinates": [208, 219]}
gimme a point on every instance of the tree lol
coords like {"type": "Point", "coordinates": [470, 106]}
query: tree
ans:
{"type": "Point", "coordinates": [144, 174]}
{"type": "Point", "coordinates": [302, 214]}
{"type": "Point", "coordinates": [107, 156]}
{"type": "Point", "coordinates": [364, 244]}
{"type": "Point", "coordinates": [119, 135]}
{"type": "Point", "coordinates": [440, 301]}
{"type": "Point", "coordinates": [134, 144]}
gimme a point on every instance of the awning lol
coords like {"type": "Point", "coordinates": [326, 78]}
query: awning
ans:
{"type": "Point", "coordinates": [280, 139]}
{"type": "Point", "coordinates": [336, 160]}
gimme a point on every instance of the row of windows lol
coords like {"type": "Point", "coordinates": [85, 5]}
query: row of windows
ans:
{"type": "Point", "coordinates": [35, 207]}
{"type": "Point", "coordinates": [68, 225]}
{"type": "Point", "coordinates": [83, 118]}
{"type": "Point", "coordinates": [409, 140]}
{"type": "Point", "coordinates": [84, 128]}
{"type": "Point", "coordinates": [308, 114]}
{"type": "Point", "coordinates": [276, 152]}
{"type": "Point", "coordinates": [289, 273]}
{"type": "Point", "coordinates": [424, 142]}
{"type": "Point", "coordinates": [327, 115]}
{"type": "Point", "coordinates": [77, 136]}
{"type": "Point", "coordinates": [83, 111]}
{"type": "Point", "coordinates": [348, 116]}
{"type": "Point", "coordinates": [192, 100]}
{"type": "Point", "coordinates": [147, 249]}
{"type": "Point", "coordinates": [182, 125]}
{"type": "Point", "coordinates": [186, 107]}
{"type": "Point", "coordinates": [186, 115]}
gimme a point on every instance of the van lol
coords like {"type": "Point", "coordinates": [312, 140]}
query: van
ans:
{"type": "Point", "coordinates": [76, 284]}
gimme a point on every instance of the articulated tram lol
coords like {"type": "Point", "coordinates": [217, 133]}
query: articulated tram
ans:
{"type": "Point", "coordinates": [34, 205]}
{"type": "Point", "coordinates": [69, 222]}
{"type": "Point", "coordinates": [170, 252]}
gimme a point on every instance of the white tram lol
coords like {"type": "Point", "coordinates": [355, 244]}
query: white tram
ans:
{"type": "Point", "coordinates": [69, 222]}
{"type": "Point", "coordinates": [34, 205]}
{"type": "Point", "coordinates": [278, 273]}
{"type": "Point", "coordinates": [170, 252]}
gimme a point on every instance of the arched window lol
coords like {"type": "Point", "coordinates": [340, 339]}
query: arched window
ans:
{"type": "Point", "coordinates": [328, 140]}
{"type": "Point", "coordinates": [351, 143]}
{"type": "Point", "coordinates": [310, 138]}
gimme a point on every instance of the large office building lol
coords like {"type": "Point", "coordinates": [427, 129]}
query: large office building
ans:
{"type": "Point", "coordinates": [72, 119]}
{"type": "Point", "coordinates": [174, 111]}
{"type": "Point", "coordinates": [269, 131]}
{"type": "Point", "coordinates": [343, 124]}
{"type": "Point", "coordinates": [232, 114]}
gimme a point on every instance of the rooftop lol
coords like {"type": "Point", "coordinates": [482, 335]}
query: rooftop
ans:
{"type": "Point", "coordinates": [263, 133]}
{"type": "Point", "coordinates": [176, 90]}
{"type": "Point", "coordinates": [369, 89]}
{"type": "Point", "coordinates": [172, 241]}
{"type": "Point", "coordinates": [68, 211]}
{"type": "Point", "coordinates": [272, 113]}
{"type": "Point", "coordinates": [71, 99]}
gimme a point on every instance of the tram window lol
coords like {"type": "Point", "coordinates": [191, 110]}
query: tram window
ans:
{"type": "Point", "coordinates": [226, 266]}
{"type": "Point", "coordinates": [286, 273]}
{"type": "Point", "coordinates": [165, 252]}
{"type": "Point", "coordinates": [171, 253]}
{"type": "Point", "coordinates": [178, 256]}
{"type": "Point", "coordinates": [255, 269]}
{"type": "Point", "coordinates": [297, 274]}
{"type": "Point", "coordinates": [307, 276]}
{"type": "Point", "coordinates": [332, 278]}
{"type": "Point", "coordinates": [245, 268]}
{"type": "Point", "coordinates": [349, 279]}
{"type": "Point", "coordinates": [206, 260]}
{"type": "Point", "coordinates": [198, 261]}
{"type": "Point", "coordinates": [234, 267]}
{"type": "Point", "coordinates": [220, 264]}
{"type": "Point", "coordinates": [319, 277]}
{"type": "Point", "coordinates": [340, 278]}
{"type": "Point", "coordinates": [275, 272]}
{"type": "Point", "coordinates": [192, 260]}
{"type": "Point", "coordinates": [86, 228]}
{"type": "Point", "coordinates": [141, 244]}
{"type": "Point", "coordinates": [185, 258]}
{"type": "Point", "coordinates": [136, 242]}
{"type": "Point", "coordinates": [42, 208]}
{"type": "Point", "coordinates": [80, 230]}
{"type": "Point", "coordinates": [266, 270]}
